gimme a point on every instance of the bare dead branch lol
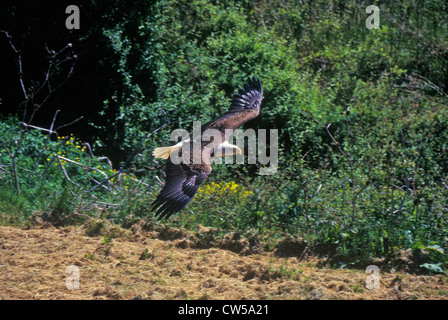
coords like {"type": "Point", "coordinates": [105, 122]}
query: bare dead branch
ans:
{"type": "Point", "coordinates": [70, 123]}
{"type": "Point", "coordinates": [65, 172]}
{"type": "Point", "coordinates": [19, 62]}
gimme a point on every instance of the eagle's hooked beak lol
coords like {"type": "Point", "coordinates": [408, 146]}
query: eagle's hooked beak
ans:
{"type": "Point", "coordinates": [238, 150]}
{"type": "Point", "coordinates": [227, 149]}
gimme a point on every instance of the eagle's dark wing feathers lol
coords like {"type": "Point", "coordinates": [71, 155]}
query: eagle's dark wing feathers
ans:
{"type": "Point", "coordinates": [249, 98]}
{"type": "Point", "coordinates": [181, 185]}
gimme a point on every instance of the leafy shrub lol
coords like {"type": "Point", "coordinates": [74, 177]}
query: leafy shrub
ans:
{"type": "Point", "coordinates": [58, 174]}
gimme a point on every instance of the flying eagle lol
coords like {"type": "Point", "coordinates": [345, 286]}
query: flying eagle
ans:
{"type": "Point", "coordinates": [183, 179]}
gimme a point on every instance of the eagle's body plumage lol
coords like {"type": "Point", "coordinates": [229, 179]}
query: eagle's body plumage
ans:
{"type": "Point", "coordinates": [183, 179]}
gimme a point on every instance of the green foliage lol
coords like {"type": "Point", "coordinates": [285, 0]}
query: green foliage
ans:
{"type": "Point", "coordinates": [61, 176]}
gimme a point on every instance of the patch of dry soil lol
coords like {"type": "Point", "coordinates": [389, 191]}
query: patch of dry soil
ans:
{"type": "Point", "coordinates": [137, 264]}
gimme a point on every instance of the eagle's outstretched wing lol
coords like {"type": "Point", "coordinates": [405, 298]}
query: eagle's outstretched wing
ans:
{"type": "Point", "coordinates": [249, 98]}
{"type": "Point", "coordinates": [245, 106]}
{"type": "Point", "coordinates": [182, 183]}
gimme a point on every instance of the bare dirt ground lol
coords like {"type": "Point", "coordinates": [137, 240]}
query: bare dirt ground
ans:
{"type": "Point", "coordinates": [144, 263]}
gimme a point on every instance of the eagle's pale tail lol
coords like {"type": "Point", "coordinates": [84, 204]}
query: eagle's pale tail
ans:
{"type": "Point", "coordinates": [165, 152]}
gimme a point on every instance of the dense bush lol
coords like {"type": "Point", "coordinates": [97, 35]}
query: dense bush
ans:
{"type": "Point", "coordinates": [49, 173]}
{"type": "Point", "coordinates": [362, 117]}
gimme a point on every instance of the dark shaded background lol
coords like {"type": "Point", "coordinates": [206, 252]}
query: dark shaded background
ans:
{"type": "Point", "coordinates": [35, 26]}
